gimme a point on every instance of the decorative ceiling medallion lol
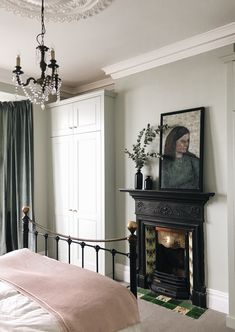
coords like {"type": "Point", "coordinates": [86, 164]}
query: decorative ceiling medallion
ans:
{"type": "Point", "coordinates": [56, 10]}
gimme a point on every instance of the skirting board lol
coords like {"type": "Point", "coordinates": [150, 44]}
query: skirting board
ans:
{"type": "Point", "coordinates": [216, 300]}
{"type": "Point", "coordinates": [230, 322]}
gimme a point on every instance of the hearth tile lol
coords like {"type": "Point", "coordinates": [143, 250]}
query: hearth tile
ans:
{"type": "Point", "coordinates": [196, 312]}
{"type": "Point", "coordinates": [181, 310]}
{"type": "Point", "coordinates": [163, 298]}
{"type": "Point", "coordinates": [168, 305]}
{"type": "Point", "coordinates": [187, 304]}
{"type": "Point", "coordinates": [184, 307]}
{"type": "Point", "coordinates": [175, 301]}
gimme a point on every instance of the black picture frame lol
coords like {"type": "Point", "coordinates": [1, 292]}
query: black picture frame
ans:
{"type": "Point", "coordinates": [181, 148]}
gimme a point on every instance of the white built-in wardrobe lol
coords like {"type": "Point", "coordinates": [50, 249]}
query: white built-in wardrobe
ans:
{"type": "Point", "coordinates": [82, 175]}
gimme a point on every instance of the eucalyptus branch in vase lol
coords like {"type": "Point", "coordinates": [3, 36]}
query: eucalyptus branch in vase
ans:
{"type": "Point", "coordinates": [139, 154]}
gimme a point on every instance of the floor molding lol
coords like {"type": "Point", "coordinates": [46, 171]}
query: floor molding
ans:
{"type": "Point", "coordinates": [122, 272]}
{"type": "Point", "coordinates": [230, 322]}
{"type": "Point", "coordinates": [216, 300]}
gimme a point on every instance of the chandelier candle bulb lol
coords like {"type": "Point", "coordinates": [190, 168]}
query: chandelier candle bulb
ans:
{"type": "Point", "coordinates": [18, 60]}
{"type": "Point", "coordinates": [52, 54]}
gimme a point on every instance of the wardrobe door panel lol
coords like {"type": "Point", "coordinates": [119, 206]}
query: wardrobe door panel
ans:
{"type": "Point", "coordinates": [87, 115]}
{"type": "Point", "coordinates": [88, 173]}
{"type": "Point", "coordinates": [62, 174]}
{"type": "Point", "coordinates": [62, 122]}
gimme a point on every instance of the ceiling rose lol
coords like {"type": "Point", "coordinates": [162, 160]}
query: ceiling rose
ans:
{"type": "Point", "coordinates": [56, 10]}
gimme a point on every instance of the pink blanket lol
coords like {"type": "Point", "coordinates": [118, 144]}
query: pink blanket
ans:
{"type": "Point", "coordinates": [82, 301]}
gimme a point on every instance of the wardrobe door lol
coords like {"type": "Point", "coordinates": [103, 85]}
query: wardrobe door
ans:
{"type": "Point", "coordinates": [82, 200]}
{"type": "Point", "coordinates": [87, 194]}
{"type": "Point", "coordinates": [62, 195]}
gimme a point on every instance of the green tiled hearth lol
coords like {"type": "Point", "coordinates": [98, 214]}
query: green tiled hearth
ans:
{"type": "Point", "coordinates": [184, 307]}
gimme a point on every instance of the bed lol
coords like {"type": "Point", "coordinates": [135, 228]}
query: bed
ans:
{"type": "Point", "coordinates": [38, 293]}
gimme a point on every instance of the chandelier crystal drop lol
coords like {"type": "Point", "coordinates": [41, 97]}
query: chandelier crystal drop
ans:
{"type": "Point", "coordinates": [39, 90]}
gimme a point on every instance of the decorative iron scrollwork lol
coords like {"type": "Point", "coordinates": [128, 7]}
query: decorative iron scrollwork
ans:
{"type": "Point", "coordinates": [184, 211]}
{"type": "Point", "coordinates": [140, 206]}
{"type": "Point", "coordinates": [164, 210]}
{"type": "Point", "coordinates": [187, 211]}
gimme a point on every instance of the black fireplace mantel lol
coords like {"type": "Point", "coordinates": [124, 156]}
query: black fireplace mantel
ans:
{"type": "Point", "coordinates": [180, 210]}
{"type": "Point", "coordinates": [186, 196]}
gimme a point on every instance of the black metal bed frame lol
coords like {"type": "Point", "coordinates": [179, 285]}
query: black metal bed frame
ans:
{"type": "Point", "coordinates": [57, 237]}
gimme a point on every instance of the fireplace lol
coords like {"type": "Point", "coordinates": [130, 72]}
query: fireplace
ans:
{"type": "Point", "coordinates": [170, 242]}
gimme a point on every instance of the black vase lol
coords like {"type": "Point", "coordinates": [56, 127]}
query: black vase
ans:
{"type": "Point", "coordinates": [138, 180]}
{"type": "Point", "coordinates": [148, 183]}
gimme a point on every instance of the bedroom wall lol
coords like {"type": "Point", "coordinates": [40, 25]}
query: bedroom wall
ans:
{"type": "Point", "coordinates": [193, 82]}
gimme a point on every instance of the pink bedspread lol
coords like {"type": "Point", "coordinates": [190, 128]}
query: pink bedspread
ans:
{"type": "Point", "coordinates": [82, 301]}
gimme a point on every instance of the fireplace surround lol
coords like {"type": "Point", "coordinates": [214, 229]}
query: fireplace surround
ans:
{"type": "Point", "coordinates": [178, 213]}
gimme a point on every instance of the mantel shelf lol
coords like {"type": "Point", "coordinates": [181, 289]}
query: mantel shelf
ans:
{"type": "Point", "coordinates": [169, 195]}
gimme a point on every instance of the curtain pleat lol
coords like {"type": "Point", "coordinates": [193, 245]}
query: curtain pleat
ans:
{"type": "Point", "coordinates": [16, 170]}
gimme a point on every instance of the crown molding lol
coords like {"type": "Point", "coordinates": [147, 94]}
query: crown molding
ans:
{"type": "Point", "coordinates": [228, 58]}
{"type": "Point", "coordinates": [105, 83]}
{"type": "Point", "coordinates": [198, 44]}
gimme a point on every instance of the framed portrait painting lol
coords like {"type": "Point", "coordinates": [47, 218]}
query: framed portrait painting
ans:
{"type": "Point", "coordinates": [181, 147]}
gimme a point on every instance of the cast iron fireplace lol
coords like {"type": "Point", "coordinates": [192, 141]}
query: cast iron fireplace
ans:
{"type": "Point", "coordinates": [170, 242]}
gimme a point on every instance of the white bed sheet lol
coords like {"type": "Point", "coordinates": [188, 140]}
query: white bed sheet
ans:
{"type": "Point", "coordinates": [21, 314]}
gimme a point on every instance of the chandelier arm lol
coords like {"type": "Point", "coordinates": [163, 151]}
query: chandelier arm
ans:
{"type": "Point", "coordinates": [28, 81]}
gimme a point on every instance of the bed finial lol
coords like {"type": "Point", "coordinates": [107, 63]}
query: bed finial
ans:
{"type": "Point", "coordinates": [25, 209]}
{"type": "Point", "coordinates": [132, 227]}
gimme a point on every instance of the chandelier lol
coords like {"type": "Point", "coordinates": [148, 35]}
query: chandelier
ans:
{"type": "Point", "coordinates": [38, 90]}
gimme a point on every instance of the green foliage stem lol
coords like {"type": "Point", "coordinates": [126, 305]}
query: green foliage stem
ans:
{"type": "Point", "coordinates": [144, 138]}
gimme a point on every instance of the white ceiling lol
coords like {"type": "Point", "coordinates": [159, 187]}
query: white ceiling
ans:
{"type": "Point", "coordinates": [126, 29]}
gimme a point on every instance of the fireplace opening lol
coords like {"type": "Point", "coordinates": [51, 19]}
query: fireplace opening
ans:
{"type": "Point", "coordinates": [170, 251]}
{"type": "Point", "coordinates": [171, 271]}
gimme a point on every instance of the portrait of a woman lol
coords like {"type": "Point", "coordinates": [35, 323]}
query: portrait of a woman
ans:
{"type": "Point", "coordinates": [180, 167]}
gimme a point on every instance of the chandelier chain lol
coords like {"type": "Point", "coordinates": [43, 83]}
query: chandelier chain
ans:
{"type": "Point", "coordinates": [43, 26]}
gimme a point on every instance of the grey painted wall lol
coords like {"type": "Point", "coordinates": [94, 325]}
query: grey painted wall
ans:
{"type": "Point", "coordinates": [141, 98]}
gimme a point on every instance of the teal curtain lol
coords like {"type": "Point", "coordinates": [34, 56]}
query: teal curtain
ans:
{"type": "Point", "coordinates": [16, 170]}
